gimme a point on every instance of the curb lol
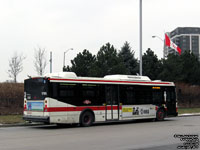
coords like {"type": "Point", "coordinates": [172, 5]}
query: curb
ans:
{"type": "Point", "coordinates": [189, 115]}
{"type": "Point", "coordinates": [19, 125]}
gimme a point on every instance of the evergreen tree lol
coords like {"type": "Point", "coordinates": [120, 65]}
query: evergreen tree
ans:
{"type": "Point", "coordinates": [151, 64]}
{"type": "Point", "coordinates": [171, 68]}
{"type": "Point", "coordinates": [108, 61]}
{"type": "Point", "coordinates": [183, 68]}
{"type": "Point", "coordinates": [82, 64]}
{"type": "Point", "coordinates": [190, 68]}
{"type": "Point", "coordinates": [127, 56]}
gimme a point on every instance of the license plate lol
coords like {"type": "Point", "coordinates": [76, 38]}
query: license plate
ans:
{"type": "Point", "coordinates": [29, 112]}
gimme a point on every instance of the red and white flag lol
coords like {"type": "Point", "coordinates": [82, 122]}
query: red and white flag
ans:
{"type": "Point", "coordinates": [171, 44]}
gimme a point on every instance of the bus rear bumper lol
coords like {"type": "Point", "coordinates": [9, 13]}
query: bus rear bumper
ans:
{"type": "Point", "coordinates": [36, 119]}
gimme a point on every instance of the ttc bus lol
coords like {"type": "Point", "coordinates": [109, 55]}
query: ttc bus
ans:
{"type": "Point", "coordinates": [64, 98]}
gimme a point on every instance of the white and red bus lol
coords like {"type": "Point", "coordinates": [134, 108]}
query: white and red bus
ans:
{"type": "Point", "coordinates": [64, 98]}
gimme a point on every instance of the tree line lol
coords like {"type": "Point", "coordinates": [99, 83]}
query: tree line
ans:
{"type": "Point", "coordinates": [108, 60]}
{"type": "Point", "coordinates": [16, 63]}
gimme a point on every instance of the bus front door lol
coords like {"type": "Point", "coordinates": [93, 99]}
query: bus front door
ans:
{"type": "Point", "coordinates": [112, 102]}
{"type": "Point", "coordinates": [171, 102]}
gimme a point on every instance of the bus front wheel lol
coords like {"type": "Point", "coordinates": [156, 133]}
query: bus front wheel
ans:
{"type": "Point", "coordinates": [87, 118]}
{"type": "Point", "coordinates": [160, 115]}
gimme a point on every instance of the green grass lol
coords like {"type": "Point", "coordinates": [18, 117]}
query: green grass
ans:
{"type": "Point", "coordinates": [11, 119]}
{"type": "Point", "coordinates": [188, 110]}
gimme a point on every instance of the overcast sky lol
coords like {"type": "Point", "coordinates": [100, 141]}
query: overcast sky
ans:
{"type": "Point", "coordinates": [58, 25]}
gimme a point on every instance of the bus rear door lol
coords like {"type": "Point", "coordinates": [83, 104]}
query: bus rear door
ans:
{"type": "Point", "coordinates": [112, 102]}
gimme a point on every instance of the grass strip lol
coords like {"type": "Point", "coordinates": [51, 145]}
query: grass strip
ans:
{"type": "Point", "coordinates": [188, 110]}
{"type": "Point", "coordinates": [11, 119]}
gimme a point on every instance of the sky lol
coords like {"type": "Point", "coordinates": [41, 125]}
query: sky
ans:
{"type": "Point", "coordinates": [58, 25]}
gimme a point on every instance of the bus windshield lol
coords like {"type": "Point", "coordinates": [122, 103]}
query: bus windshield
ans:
{"type": "Point", "coordinates": [36, 88]}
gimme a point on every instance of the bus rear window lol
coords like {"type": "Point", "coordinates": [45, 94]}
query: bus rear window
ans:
{"type": "Point", "coordinates": [36, 88]}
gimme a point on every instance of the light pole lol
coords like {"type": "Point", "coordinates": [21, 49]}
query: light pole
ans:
{"type": "Point", "coordinates": [155, 36]}
{"type": "Point", "coordinates": [140, 36]}
{"type": "Point", "coordinates": [164, 50]}
{"type": "Point", "coordinates": [64, 58]}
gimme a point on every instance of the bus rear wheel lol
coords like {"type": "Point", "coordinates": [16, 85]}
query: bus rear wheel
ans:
{"type": "Point", "coordinates": [87, 119]}
{"type": "Point", "coordinates": [160, 115]}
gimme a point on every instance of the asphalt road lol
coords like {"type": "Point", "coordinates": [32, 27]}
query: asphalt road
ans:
{"type": "Point", "coordinates": [142, 135]}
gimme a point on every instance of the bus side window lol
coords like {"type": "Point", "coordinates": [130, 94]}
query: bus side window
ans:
{"type": "Point", "coordinates": [92, 92]}
{"type": "Point", "coordinates": [108, 95]}
{"type": "Point", "coordinates": [158, 97]}
{"type": "Point", "coordinates": [54, 90]}
{"type": "Point", "coordinates": [88, 92]}
{"type": "Point", "coordinates": [130, 95]}
{"type": "Point", "coordinates": [127, 95]}
{"type": "Point", "coordinates": [143, 95]}
{"type": "Point", "coordinates": [67, 90]}
{"type": "Point", "coordinates": [66, 93]}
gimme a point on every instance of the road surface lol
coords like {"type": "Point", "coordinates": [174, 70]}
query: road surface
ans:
{"type": "Point", "coordinates": [142, 135]}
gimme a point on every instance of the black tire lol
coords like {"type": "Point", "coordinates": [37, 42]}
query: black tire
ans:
{"type": "Point", "coordinates": [160, 115]}
{"type": "Point", "coordinates": [87, 119]}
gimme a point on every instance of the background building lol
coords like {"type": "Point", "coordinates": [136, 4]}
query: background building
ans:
{"type": "Point", "coordinates": [187, 38]}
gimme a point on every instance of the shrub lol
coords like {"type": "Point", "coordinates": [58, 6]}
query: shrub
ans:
{"type": "Point", "coordinates": [11, 98]}
{"type": "Point", "coordinates": [188, 95]}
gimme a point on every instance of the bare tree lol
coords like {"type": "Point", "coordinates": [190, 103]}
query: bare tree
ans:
{"type": "Point", "coordinates": [40, 61]}
{"type": "Point", "coordinates": [15, 66]}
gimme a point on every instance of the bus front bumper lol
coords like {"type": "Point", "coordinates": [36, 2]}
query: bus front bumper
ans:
{"type": "Point", "coordinates": [36, 119]}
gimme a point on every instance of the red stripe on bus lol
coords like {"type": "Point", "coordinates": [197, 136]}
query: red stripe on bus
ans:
{"type": "Point", "coordinates": [107, 81]}
{"type": "Point", "coordinates": [58, 109]}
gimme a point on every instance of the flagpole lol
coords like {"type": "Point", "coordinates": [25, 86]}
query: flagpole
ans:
{"type": "Point", "coordinates": [140, 36]}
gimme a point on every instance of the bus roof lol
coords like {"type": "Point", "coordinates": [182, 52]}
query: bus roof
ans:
{"type": "Point", "coordinates": [108, 79]}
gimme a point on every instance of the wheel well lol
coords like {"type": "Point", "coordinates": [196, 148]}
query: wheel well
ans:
{"type": "Point", "coordinates": [162, 108]}
{"type": "Point", "coordinates": [86, 110]}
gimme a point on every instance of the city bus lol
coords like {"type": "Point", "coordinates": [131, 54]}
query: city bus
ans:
{"type": "Point", "coordinates": [65, 98]}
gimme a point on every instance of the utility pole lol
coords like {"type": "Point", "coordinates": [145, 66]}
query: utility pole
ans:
{"type": "Point", "coordinates": [140, 37]}
{"type": "Point", "coordinates": [64, 58]}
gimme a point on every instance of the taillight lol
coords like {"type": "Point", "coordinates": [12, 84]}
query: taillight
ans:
{"type": "Point", "coordinates": [25, 105]}
{"type": "Point", "coordinates": [156, 108]}
{"type": "Point", "coordinates": [45, 105]}
{"type": "Point", "coordinates": [165, 108]}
